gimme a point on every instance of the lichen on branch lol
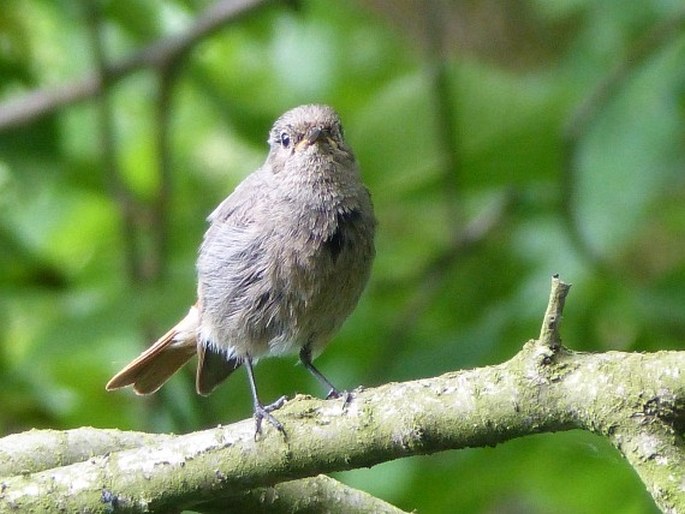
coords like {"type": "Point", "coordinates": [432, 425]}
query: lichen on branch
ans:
{"type": "Point", "coordinates": [633, 399]}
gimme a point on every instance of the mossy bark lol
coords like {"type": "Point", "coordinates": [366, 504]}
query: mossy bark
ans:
{"type": "Point", "coordinates": [635, 400]}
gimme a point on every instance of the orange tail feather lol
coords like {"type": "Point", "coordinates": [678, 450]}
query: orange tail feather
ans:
{"type": "Point", "coordinates": [152, 368]}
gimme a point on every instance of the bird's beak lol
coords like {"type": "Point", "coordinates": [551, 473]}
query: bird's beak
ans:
{"type": "Point", "coordinates": [312, 135]}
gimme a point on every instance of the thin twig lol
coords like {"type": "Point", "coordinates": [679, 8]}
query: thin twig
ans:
{"type": "Point", "coordinates": [445, 112]}
{"type": "Point", "coordinates": [442, 91]}
{"type": "Point", "coordinates": [160, 208]}
{"type": "Point", "coordinates": [549, 333]}
{"type": "Point", "coordinates": [107, 143]}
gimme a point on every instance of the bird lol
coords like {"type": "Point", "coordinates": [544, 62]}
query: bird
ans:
{"type": "Point", "coordinates": [283, 263]}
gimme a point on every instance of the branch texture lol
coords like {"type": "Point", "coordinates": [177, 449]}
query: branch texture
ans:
{"type": "Point", "coordinates": [634, 400]}
{"type": "Point", "coordinates": [619, 395]}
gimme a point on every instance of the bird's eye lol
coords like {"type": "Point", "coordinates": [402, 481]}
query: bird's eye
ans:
{"type": "Point", "coordinates": [285, 140]}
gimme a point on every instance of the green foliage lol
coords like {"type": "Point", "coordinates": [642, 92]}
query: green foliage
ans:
{"type": "Point", "coordinates": [73, 312]}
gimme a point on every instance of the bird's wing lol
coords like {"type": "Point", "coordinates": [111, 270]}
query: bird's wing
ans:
{"type": "Point", "coordinates": [238, 206]}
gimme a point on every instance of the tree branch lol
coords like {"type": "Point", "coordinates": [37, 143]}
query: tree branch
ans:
{"type": "Point", "coordinates": [635, 400]}
{"type": "Point", "coordinates": [603, 393]}
{"type": "Point", "coordinates": [38, 450]}
{"type": "Point", "coordinates": [317, 494]}
{"type": "Point", "coordinates": [654, 450]}
{"type": "Point", "coordinates": [40, 102]}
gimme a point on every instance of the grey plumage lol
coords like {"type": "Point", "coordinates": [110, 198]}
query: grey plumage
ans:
{"type": "Point", "coordinates": [284, 261]}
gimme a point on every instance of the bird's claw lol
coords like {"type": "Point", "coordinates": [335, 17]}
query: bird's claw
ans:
{"type": "Point", "coordinates": [345, 395]}
{"type": "Point", "coordinates": [263, 412]}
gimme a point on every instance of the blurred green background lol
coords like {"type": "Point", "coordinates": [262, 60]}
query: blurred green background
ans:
{"type": "Point", "coordinates": [503, 141]}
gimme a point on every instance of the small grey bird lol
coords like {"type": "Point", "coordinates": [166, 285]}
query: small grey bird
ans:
{"type": "Point", "coordinates": [282, 264]}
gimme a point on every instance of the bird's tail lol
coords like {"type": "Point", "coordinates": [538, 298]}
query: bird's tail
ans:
{"type": "Point", "coordinates": [148, 372]}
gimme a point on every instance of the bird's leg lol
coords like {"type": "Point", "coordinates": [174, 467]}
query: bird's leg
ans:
{"type": "Point", "coordinates": [333, 392]}
{"type": "Point", "coordinates": [261, 411]}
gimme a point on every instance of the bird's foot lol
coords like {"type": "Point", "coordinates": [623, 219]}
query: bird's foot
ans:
{"type": "Point", "coordinates": [263, 412]}
{"type": "Point", "coordinates": [345, 395]}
